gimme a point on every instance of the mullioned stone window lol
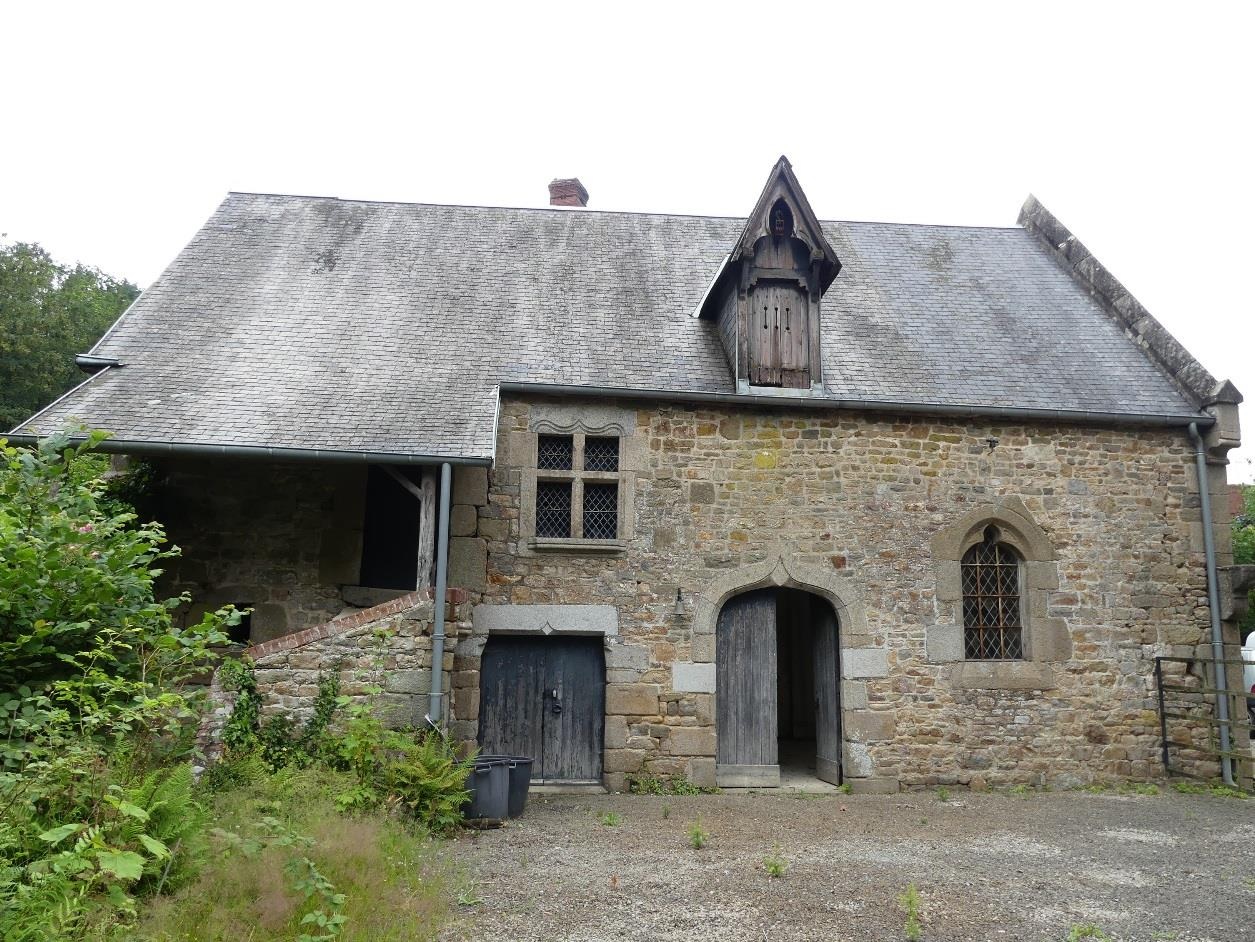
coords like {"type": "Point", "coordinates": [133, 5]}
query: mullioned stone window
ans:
{"type": "Point", "coordinates": [995, 569]}
{"type": "Point", "coordinates": [576, 492]}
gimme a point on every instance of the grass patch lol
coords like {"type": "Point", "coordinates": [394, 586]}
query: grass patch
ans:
{"type": "Point", "coordinates": [396, 883]}
{"type": "Point", "coordinates": [646, 784]}
{"type": "Point", "coordinates": [912, 926]}
{"type": "Point", "coordinates": [1122, 788]}
{"type": "Point", "coordinates": [1088, 931]}
{"type": "Point", "coordinates": [775, 864]}
{"type": "Point", "coordinates": [611, 819]}
{"type": "Point", "coordinates": [1208, 788]}
{"type": "Point", "coordinates": [697, 835]}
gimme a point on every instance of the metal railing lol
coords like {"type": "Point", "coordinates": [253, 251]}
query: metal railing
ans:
{"type": "Point", "coordinates": [1189, 697]}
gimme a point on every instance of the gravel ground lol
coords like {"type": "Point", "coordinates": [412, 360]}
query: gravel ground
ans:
{"type": "Point", "coordinates": [987, 866]}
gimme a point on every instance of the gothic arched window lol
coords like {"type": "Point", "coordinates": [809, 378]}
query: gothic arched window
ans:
{"type": "Point", "coordinates": [993, 628]}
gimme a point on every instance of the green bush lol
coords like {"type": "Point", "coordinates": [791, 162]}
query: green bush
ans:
{"type": "Point", "coordinates": [126, 838]}
{"type": "Point", "coordinates": [276, 740]}
{"type": "Point", "coordinates": [77, 600]}
{"type": "Point", "coordinates": [419, 771]}
{"type": "Point", "coordinates": [1244, 548]}
{"type": "Point", "coordinates": [96, 803]}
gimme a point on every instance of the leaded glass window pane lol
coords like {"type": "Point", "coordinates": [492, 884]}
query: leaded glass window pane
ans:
{"type": "Point", "coordinates": [553, 452]}
{"type": "Point", "coordinates": [601, 454]}
{"type": "Point", "coordinates": [992, 626]}
{"type": "Point", "coordinates": [601, 511]}
{"type": "Point", "coordinates": [553, 509]}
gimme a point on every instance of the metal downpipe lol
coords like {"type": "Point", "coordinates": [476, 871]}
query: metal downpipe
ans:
{"type": "Point", "coordinates": [435, 713]}
{"type": "Point", "coordinates": [1213, 605]}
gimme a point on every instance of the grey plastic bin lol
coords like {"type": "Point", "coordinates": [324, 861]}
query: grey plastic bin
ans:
{"type": "Point", "coordinates": [489, 785]}
{"type": "Point", "coordinates": [520, 780]}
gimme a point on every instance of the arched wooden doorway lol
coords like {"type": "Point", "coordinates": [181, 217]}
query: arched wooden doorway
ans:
{"type": "Point", "coordinates": [777, 687]}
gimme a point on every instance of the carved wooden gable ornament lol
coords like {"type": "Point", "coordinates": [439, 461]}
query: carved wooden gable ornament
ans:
{"type": "Point", "coordinates": [767, 295]}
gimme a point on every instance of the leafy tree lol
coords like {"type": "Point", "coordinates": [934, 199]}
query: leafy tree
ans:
{"type": "Point", "coordinates": [48, 313]}
{"type": "Point", "coordinates": [1244, 529]}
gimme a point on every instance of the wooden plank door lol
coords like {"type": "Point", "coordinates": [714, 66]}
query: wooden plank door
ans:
{"type": "Point", "coordinates": [764, 337]}
{"type": "Point", "coordinates": [545, 698]}
{"type": "Point", "coordinates": [793, 339]}
{"type": "Point", "coordinates": [511, 699]}
{"type": "Point", "coordinates": [827, 692]}
{"type": "Point", "coordinates": [779, 335]}
{"type": "Point", "coordinates": [745, 690]}
{"type": "Point", "coordinates": [575, 710]}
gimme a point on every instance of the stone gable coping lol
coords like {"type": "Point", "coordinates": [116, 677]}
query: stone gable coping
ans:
{"type": "Point", "coordinates": [1151, 336]}
{"type": "Point", "coordinates": [348, 622]}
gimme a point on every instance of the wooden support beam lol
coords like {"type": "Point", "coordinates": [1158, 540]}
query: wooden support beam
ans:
{"type": "Point", "coordinates": [425, 493]}
{"type": "Point", "coordinates": [427, 529]}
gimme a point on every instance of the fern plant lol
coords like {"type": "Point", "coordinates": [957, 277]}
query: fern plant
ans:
{"type": "Point", "coordinates": [430, 780]}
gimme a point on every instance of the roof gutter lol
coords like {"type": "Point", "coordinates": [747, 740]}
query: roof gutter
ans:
{"type": "Point", "coordinates": [324, 455]}
{"type": "Point", "coordinates": [1017, 413]}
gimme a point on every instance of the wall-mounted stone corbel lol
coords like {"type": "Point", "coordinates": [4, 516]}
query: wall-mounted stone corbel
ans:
{"type": "Point", "coordinates": [1226, 434]}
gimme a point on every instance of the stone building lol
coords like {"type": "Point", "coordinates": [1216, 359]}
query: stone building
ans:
{"type": "Point", "coordinates": [732, 499]}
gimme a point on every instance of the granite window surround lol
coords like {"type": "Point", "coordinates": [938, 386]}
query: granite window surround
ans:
{"type": "Point", "coordinates": [1046, 640]}
{"type": "Point", "coordinates": [598, 476]}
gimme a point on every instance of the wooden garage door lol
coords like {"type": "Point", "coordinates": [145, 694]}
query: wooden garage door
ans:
{"type": "Point", "coordinates": [545, 698]}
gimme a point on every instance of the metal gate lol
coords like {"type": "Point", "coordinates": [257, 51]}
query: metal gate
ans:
{"type": "Point", "coordinates": [1185, 687]}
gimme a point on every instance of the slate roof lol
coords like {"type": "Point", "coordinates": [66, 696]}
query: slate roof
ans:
{"type": "Point", "coordinates": [300, 322]}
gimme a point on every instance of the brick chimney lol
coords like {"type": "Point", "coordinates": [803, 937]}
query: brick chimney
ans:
{"type": "Point", "coordinates": [567, 193]}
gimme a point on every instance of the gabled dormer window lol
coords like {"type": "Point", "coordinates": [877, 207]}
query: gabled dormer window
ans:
{"type": "Point", "coordinates": [767, 295]}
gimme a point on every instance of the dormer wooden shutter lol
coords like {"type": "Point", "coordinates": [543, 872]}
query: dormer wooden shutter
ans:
{"type": "Point", "coordinates": [779, 335]}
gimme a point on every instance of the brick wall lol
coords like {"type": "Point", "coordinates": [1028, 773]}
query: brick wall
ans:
{"type": "Point", "coordinates": [1236, 504]}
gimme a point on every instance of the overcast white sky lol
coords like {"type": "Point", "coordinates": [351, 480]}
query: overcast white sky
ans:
{"type": "Point", "coordinates": [125, 124]}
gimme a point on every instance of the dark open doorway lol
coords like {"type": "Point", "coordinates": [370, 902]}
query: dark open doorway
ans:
{"type": "Point", "coordinates": [777, 690]}
{"type": "Point", "coordinates": [390, 531]}
{"type": "Point", "coordinates": [807, 688]}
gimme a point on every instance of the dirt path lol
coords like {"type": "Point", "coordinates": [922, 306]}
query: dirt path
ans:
{"type": "Point", "coordinates": [988, 867]}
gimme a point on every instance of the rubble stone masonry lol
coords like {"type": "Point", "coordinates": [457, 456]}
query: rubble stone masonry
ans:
{"type": "Point", "coordinates": [851, 507]}
{"type": "Point", "coordinates": [382, 655]}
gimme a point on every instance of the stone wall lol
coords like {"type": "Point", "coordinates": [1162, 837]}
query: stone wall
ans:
{"type": "Point", "coordinates": [386, 648]}
{"type": "Point", "coordinates": [281, 538]}
{"type": "Point", "coordinates": [286, 539]}
{"type": "Point", "coordinates": [847, 507]}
